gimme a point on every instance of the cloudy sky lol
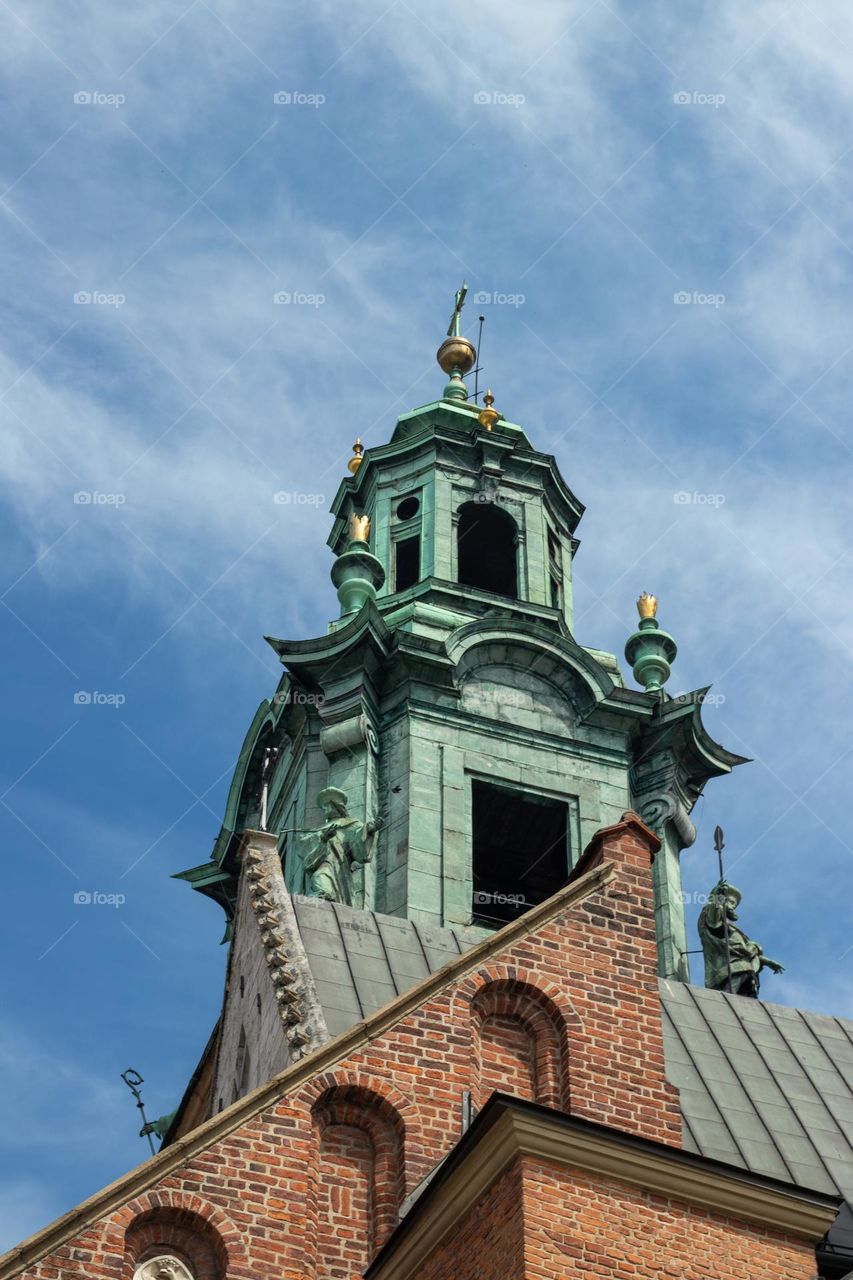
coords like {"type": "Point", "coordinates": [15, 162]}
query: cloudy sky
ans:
{"type": "Point", "coordinates": [654, 203]}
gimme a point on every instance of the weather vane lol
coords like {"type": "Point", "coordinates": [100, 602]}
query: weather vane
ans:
{"type": "Point", "coordinates": [133, 1080]}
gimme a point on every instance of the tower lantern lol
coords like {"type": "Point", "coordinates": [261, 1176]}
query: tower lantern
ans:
{"type": "Point", "coordinates": [451, 702]}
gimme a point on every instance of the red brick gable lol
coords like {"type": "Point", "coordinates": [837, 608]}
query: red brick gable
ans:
{"type": "Point", "coordinates": [306, 1176]}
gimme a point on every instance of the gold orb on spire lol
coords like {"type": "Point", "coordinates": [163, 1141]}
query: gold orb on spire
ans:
{"type": "Point", "coordinates": [647, 605]}
{"type": "Point", "coordinates": [488, 417]}
{"type": "Point", "coordinates": [456, 354]}
{"type": "Point", "coordinates": [357, 457]}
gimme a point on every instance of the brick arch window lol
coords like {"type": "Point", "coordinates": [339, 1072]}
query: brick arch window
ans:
{"type": "Point", "coordinates": [359, 1178]}
{"type": "Point", "coordinates": [519, 1044]}
{"type": "Point", "coordinates": [168, 1243]}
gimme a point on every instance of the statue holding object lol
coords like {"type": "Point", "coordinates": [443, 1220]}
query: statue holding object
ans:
{"type": "Point", "coordinates": [732, 961]}
{"type": "Point", "coordinates": [333, 857]}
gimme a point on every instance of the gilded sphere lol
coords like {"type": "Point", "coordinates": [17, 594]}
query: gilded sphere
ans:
{"type": "Point", "coordinates": [456, 353]}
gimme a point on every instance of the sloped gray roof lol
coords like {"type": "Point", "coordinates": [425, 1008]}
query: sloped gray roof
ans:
{"type": "Point", "coordinates": [762, 1086]}
{"type": "Point", "coordinates": [361, 960]}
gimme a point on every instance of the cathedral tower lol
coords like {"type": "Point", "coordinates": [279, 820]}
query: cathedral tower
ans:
{"type": "Point", "coordinates": [449, 718]}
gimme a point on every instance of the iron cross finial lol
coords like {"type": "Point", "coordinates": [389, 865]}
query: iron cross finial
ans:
{"type": "Point", "coordinates": [454, 329]}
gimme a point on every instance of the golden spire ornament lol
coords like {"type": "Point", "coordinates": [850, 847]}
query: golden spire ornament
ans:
{"type": "Point", "coordinates": [357, 456]}
{"type": "Point", "coordinates": [488, 417]}
{"type": "Point", "coordinates": [456, 355]}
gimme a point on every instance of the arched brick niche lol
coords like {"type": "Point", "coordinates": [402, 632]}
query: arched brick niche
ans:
{"type": "Point", "coordinates": [174, 1231]}
{"type": "Point", "coordinates": [359, 1177]}
{"type": "Point", "coordinates": [519, 1043]}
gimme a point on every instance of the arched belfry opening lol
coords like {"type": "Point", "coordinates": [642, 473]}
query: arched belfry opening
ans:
{"type": "Point", "coordinates": [487, 542]}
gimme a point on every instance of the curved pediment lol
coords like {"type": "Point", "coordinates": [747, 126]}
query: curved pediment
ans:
{"type": "Point", "coordinates": [554, 666]}
{"type": "Point", "coordinates": [513, 695]}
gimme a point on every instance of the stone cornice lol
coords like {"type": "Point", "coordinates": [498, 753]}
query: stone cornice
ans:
{"type": "Point", "coordinates": [144, 1176]}
{"type": "Point", "coordinates": [509, 1130]}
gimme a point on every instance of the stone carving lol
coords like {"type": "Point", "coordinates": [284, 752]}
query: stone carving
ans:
{"type": "Point", "coordinates": [333, 856]}
{"type": "Point", "coordinates": [747, 957]}
{"type": "Point", "coordinates": [162, 1268]}
{"type": "Point", "coordinates": [287, 979]}
{"type": "Point", "coordinates": [656, 813]}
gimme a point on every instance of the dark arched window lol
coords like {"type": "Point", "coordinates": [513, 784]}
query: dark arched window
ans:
{"type": "Point", "coordinates": [487, 542]}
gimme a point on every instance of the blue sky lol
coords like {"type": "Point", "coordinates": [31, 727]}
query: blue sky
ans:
{"type": "Point", "coordinates": [591, 160]}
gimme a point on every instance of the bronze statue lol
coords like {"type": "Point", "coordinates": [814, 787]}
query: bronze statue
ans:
{"type": "Point", "coordinates": [732, 962]}
{"type": "Point", "coordinates": [333, 857]}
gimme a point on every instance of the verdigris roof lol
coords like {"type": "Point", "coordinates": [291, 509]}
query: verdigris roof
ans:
{"type": "Point", "coordinates": [762, 1086]}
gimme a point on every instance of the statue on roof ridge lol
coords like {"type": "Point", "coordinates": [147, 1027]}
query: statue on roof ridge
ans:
{"type": "Point", "coordinates": [733, 962]}
{"type": "Point", "coordinates": [333, 857]}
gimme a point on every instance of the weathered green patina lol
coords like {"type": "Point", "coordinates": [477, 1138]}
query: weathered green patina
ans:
{"type": "Point", "coordinates": [433, 683]}
{"type": "Point", "coordinates": [329, 862]}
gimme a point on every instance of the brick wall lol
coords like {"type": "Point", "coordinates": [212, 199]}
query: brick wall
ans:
{"type": "Point", "coordinates": [578, 1224]}
{"type": "Point", "coordinates": [507, 1058]}
{"type": "Point", "coordinates": [583, 981]}
{"type": "Point", "coordinates": [488, 1243]}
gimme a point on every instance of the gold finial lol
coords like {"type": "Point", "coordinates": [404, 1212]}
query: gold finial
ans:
{"type": "Point", "coordinates": [647, 606]}
{"type": "Point", "coordinates": [488, 417]}
{"type": "Point", "coordinates": [357, 456]}
{"type": "Point", "coordinates": [359, 528]}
